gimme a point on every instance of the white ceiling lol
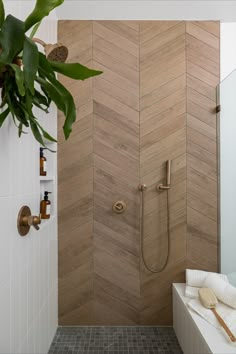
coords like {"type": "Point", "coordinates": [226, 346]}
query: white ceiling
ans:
{"type": "Point", "coordinates": [223, 10]}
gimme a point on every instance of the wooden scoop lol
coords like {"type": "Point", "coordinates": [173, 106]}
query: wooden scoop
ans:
{"type": "Point", "coordinates": [209, 300]}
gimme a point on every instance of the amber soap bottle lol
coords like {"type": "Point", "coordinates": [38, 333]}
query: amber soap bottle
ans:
{"type": "Point", "coordinates": [45, 207]}
{"type": "Point", "coordinates": [43, 163]}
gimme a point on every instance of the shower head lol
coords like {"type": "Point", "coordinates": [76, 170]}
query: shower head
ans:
{"type": "Point", "coordinates": [54, 52]}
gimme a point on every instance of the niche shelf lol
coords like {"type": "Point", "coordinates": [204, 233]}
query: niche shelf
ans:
{"type": "Point", "coordinates": [46, 178]}
{"type": "Point", "coordinates": [48, 183]}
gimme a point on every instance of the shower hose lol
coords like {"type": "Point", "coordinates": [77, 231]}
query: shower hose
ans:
{"type": "Point", "coordinates": [142, 190]}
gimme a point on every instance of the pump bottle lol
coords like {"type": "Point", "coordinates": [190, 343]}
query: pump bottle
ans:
{"type": "Point", "coordinates": [45, 207]}
{"type": "Point", "coordinates": [43, 163]}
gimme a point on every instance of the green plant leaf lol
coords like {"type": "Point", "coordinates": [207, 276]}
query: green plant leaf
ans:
{"type": "Point", "coordinates": [39, 100]}
{"type": "Point", "coordinates": [31, 63]}
{"type": "Point", "coordinates": [45, 68]}
{"type": "Point", "coordinates": [35, 29]}
{"type": "Point", "coordinates": [2, 13]}
{"type": "Point", "coordinates": [74, 70]}
{"type": "Point", "coordinates": [19, 112]}
{"type": "Point", "coordinates": [58, 93]}
{"type": "Point", "coordinates": [3, 116]}
{"type": "Point", "coordinates": [8, 84]}
{"type": "Point", "coordinates": [14, 102]}
{"type": "Point", "coordinates": [41, 10]}
{"type": "Point", "coordinates": [11, 40]}
{"type": "Point", "coordinates": [36, 131]}
{"type": "Point", "coordinates": [19, 78]}
{"type": "Point", "coordinates": [63, 100]}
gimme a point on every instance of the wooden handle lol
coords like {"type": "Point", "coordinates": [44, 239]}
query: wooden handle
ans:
{"type": "Point", "coordinates": [223, 324]}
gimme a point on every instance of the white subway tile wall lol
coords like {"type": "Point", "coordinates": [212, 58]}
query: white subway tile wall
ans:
{"type": "Point", "coordinates": [28, 265]}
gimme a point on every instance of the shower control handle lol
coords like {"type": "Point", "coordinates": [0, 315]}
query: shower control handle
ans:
{"type": "Point", "coordinates": [162, 187]}
{"type": "Point", "coordinates": [34, 221]}
{"type": "Point", "coordinates": [119, 207]}
{"type": "Point", "coordinates": [25, 220]}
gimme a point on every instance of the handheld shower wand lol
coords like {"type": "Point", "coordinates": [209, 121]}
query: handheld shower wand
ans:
{"type": "Point", "coordinates": [162, 187]}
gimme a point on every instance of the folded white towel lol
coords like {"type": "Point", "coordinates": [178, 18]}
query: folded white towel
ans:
{"type": "Point", "coordinates": [198, 277]}
{"type": "Point", "coordinates": [191, 291]}
{"type": "Point", "coordinates": [232, 278]}
{"type": "Point", "coordinates": [224, 291]}
{"type": "Point", "coordinates": [228, 315]}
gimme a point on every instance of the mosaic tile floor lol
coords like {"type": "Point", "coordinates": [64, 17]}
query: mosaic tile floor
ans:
{"type": "Point", "coordinates": [115, 340]}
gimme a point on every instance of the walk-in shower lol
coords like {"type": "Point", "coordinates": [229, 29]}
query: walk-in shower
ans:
{"type": "Point", "coordinates": [148, 120]}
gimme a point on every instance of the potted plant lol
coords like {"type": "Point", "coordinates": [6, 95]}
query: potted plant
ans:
{"type": "Point", "coordinates": [28, 77]}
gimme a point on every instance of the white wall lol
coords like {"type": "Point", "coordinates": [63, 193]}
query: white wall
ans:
{"type": "Point", "coordinates": [28, 265]}
{"type": "Point", "coordinates": [228, 49]}
{"type": "Point", "coordinates": [228, 147]}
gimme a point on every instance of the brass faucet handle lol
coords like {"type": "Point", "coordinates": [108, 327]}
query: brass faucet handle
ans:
{"type": "Point", "coordinates": [34, 221]}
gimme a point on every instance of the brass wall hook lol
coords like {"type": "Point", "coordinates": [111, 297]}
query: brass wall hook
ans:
{"type": "Point", "coordinates": [25, 220]}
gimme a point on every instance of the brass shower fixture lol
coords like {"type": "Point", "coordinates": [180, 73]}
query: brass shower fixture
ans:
{"type": "Point", "coordinates": [54, 52]}
{"type": "Point", "coordinates": [119, 207]}
{"type": "Point", "coordinates": [25, 220]}
{"type": "Point", "coordinates": [163, 187]}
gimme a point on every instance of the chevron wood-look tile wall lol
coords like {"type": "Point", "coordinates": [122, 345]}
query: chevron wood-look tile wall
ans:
{"type": "Point", "coordinates": [155, 101]}
{"type": "Point", "coordinates": [75, 187]}
{"type": "Point", "coordinates": [162, 137]}
{"type": "Point", "coordinates": [203, 75]}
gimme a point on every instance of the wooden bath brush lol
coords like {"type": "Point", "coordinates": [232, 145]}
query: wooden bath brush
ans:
{"type": "Point", "coordinates": [209, 300]}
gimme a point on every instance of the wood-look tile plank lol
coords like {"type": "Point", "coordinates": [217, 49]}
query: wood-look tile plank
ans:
{"type": "Point", "coordinates": [201, 153]}
{"type": "Point", "coordinates": [202, 74]}
{"type": "Point", "coordinates": [201, 87]}
{"type": "Point", "coordinates": [203, 35]}
{"type": "Point", "coordinates": [210, 26]}
{"type": "Point", "coordinates": [112, 50]}
{"type": "Point", "coordinates": [202, 207]}
{"type": "Point", "coordinates": [120, 94]}
{"type": "Point", "coordinates": [150, 29]}
{"type": "Point", "coordinates": [169, 36]}
{"type": "Point", "coordinates": [199, 47]}
{"type": "Point", "coordinates": [103, 30]}
{"type": "Point", "coordinates": [201, 127]}
{"type": "Point", "coordinates": [201, 113]}
{"type": "Point", "coordinates": [201, 166]}
{"type": "Point", "coordinates": [206, 227]}
{"type": "Point", "coordinates": [163, 91]}
{"type": "Point", "coordinates": [208, 185]}
{"type": "Point", "coordinates": [201, 254]}
{"type": "Point", "coordinates": [203, 141]}
{"type": "Point", "coordinates": [163, 105]}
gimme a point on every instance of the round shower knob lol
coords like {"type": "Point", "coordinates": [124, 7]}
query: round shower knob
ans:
{"type": "Point", "coordinates": [119, 207]}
